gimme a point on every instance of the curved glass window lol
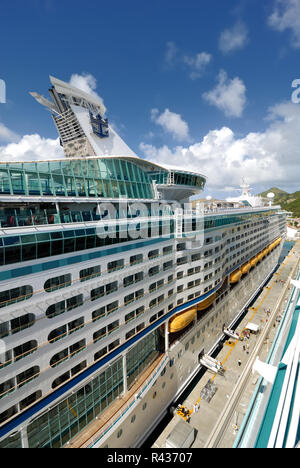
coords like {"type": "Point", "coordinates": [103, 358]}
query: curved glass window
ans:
{"type": "Point", "coordinates": [96, 177]}
{"type": "Point", "coordinates": [75, 348]}
{"type": "Point", "coordinates": [11, 296]}
{"type": "Point", "coordinates": [24, 349]}
{"type": "Point", "coordinates": [64, 306]}
{"type": "Point", "coordinates": [16, 325]}
{"type": "Point", "coordinates": [57, 282]}
{"type": "Point", "coordinates": [27, 375]}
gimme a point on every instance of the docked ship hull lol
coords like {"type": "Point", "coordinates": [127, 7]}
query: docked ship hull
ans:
{"type": "Point", "coordinates": [110, 287]}
{"type": "Point", "coordinates": [183, 361]}
{"type": "Point", "coordinates": [127, 373]}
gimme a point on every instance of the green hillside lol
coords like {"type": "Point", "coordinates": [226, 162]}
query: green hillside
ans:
{"type": "Point", "coordinates": [288, 201]}
{"type": "Point", "coordinates": [277, 192]}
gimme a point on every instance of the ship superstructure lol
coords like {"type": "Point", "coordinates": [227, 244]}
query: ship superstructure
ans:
{"type": "Point", "coordinates": [111, 286]}
{"type": "Point", "coordinates": [81, 123]}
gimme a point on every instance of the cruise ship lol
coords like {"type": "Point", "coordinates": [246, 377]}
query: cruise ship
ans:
{"type": "Point", "coordinates": [113, 285]}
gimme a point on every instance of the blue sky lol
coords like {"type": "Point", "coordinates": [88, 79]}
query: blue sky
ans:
{"type": "Point", "coordinates": [199, 84]}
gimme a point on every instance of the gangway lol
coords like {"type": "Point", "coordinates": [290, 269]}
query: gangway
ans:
{"type": "Point", "coordinates": [212, 364]}
{"type": "Point", "coordinates": [231, 334]}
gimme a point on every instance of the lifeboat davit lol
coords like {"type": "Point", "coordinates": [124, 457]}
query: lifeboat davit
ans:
{"type": "Point", "coordinates": [182, 320]}
{"type": "Point", "coordinates": [207, 302]}
{"type": "Point", "coordinates": [245, 268]}
{"type": "Point", "coordinates": [235, 276]}
{"type": "Point", "coordinates": [253, 262]}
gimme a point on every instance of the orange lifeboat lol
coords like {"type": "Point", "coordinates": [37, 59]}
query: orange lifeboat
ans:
{"type": "Point", "coordinates": [245, 268]}
{"type": "Point", "coordinates": [235, 276]}
{"type": "Point", "coordinates": [207, 302]}
{"type": "Point", "coordinates": [182, 320]}
{"type": "Point", "coordinates": [266, 251]}
{"type": "Point", "coordinates": [277, 242]}
{"type": "Point", "coordinates": [260, 256]}
{"type": "Point", "coordinates": [253, 262]}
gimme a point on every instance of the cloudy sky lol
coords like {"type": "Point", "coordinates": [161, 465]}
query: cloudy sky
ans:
{"type": "Point", "coordinates": [206, 85]}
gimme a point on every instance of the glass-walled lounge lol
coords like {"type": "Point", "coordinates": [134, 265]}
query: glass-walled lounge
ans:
{"type": "Point", "coordinates": [103, 177]}
{"type": "Point", "coordinates": [176, 177]}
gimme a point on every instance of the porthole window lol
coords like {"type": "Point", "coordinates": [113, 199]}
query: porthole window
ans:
{"type": "Point", "coordinates": [120, 432]}
{"type": "Point", "coordinates": [154, 395]}
{"type": "Point", "coordinates": [133, 418]}
{"type": "Point", "coordinates": [163, 384]}
{"type": "Point", "coordinates": [144, 406]}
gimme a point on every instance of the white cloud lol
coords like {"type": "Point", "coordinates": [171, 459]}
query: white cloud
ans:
{"type": "Point", "coordinates": [197, 63]}
{"type": "Point", "coordinates": [86, 82]}
{"type": "Point", "coordinates": [229, 95]}
{"type": "Point", "coordinates": [7, 135]}
{"type": "Point", "coordinates": [234, 38]}
{"type": "Point", "coordinates": [171, 123]}
{"type": "Point", "coordinates": [266, 159]}
{"type": "Point", "coordinates": [286, 16]}
{"type": "Point", "coordinates": [171, 53]}
{"type": "Point", "coordinates": [31, 148]}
